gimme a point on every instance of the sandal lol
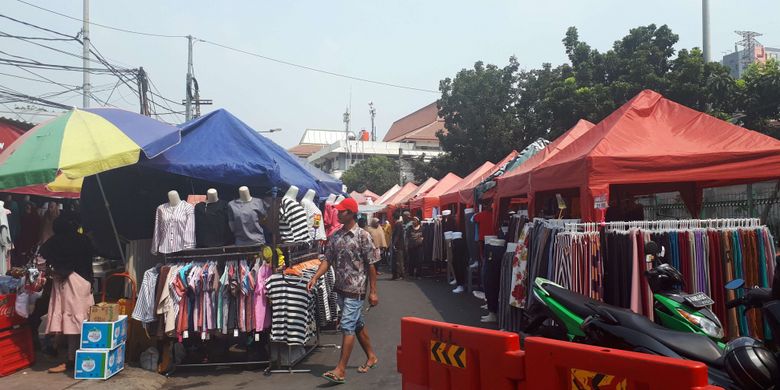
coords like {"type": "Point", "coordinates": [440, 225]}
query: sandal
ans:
{"type": "Point", "coordinates": [333, 378]}
{"type": "Point", "coordinates": [365, 368]}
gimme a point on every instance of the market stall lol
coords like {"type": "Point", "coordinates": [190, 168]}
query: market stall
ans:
{"type": "Point", "coordinates": [649, 145]}
{"type": "Point", "coordinates": [429, 204]}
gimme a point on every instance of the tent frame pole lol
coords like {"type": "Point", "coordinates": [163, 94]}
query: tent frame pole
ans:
{"type": "Point", "coordinates": [111, 218]}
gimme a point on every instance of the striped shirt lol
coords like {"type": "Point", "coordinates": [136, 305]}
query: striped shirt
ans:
{"type": "Point", "coordinates": [292, 221]}
{"type": "Point", "coordinates": [292, 309]}
{"type": "Point", "coordinates": [174, 228]}
{"type": "Point", "coordinates": [145, 306]}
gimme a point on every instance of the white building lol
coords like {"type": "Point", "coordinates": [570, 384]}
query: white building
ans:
{"type": "Point", "coordinates": [410, 137]}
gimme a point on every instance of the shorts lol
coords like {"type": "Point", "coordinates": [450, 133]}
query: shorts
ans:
{"type": "Point", "coordinates": [351, 315]}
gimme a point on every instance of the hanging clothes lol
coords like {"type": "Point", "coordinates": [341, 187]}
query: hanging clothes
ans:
{"type": "Point", "coordinates": [331, 218]}
{"type": "Point", "coordinates": [211, 225]}
{"type": "Point", "coordinates": [174, 228]}
{"type": "Point", "coordinates": [292, 309]}
{"type": "Point", "coordinates": [292, 221]}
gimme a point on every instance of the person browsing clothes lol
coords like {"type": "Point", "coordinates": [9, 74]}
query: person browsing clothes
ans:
{"type": "Point", "coordinates": [352, 254]}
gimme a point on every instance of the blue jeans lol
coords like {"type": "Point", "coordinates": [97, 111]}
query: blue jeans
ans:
{"type": "Point", "coordinates": [351, 315]}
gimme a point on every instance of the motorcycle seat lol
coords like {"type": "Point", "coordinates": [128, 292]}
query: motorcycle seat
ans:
{"type": "Point", "coordinates": [578, 304]}
{"type": "Point", "coordinates": [689, 345]}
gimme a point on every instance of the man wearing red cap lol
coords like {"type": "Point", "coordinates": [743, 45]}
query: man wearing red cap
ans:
{"type": "Point", "coordinates": [352, 254]}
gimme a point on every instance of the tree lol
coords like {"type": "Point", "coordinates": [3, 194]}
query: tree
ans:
{"type": "Point", "coordinates": [479, 114]}
{"type": "Point", "coordinates": [377, 174]}
{"type": "Point", "coordinates": [760, 98]}
{"type": "Point", "coordinates": [437, 167]}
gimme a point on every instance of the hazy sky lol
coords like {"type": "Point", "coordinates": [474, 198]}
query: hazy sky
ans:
{"type": "Point", "coordinates": [413, 43]}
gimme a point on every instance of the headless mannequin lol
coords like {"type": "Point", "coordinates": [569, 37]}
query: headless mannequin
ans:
{"type": "Point", "coordinates": [340, 198]}
{"type": "Point", "coordinates": [173, 198]}
{"type": "Point", "coordinates": [244, 195]}
{"type": "Point", "coordinates": [309, 196]}
{"type": "Point", "coordinates": [331, 198]}
{"type": "Point", "coordinates": [212, 196]}
{"type": "Point", "coordinates": [292, 193]}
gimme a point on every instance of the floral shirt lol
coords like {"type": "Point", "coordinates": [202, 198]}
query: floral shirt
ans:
{"type": "Point", "coordinates": [348, 252]}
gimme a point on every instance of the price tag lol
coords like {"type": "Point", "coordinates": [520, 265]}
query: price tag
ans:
{"type": "Point", "coordinates": [186, 334]}
{"type": "Point", "coordinates": [235, 332]}
{"type": "Point", "coordinates": [257, 336]}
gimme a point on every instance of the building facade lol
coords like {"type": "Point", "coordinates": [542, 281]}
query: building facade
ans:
{"type": "Point", "coordinates": [734, 61]}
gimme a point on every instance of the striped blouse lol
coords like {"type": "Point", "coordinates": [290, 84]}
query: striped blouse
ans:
{"type": "Point", "coordinates": [292, 221]}
{"type": "Point", "coordinates": [174, 228]}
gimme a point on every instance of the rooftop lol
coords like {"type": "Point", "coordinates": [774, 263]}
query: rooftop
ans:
{"type": "Point", "coordinates": [421, 125]}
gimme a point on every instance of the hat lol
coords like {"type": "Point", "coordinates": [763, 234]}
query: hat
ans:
{"type": "Point", "coordinates": [348, 204]}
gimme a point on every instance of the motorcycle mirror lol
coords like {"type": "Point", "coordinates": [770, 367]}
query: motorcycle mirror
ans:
{"type": "Point", "coordinates": [735, 284]}
{"type": "Point", "coordinates": [651, 248]}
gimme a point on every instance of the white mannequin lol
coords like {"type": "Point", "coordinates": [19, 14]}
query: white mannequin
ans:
{"type": "Point", "coordinates": [339, 199]}
{"type": "Point", "coordinates": [331, 198]}
{"type": "Point", "coordinates": [292, 193]}
{"type": "Point", "coordinates": [212, 196]}
{"type": "Point", "coordinates": [173, 198]}
{"type": "Point", "coordinates": [243, 194]}
{"type": "Point", "coordinates": [309, 196]}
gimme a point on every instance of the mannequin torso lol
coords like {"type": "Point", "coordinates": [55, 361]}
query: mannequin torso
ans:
{"type": "Point", "coordinates": [244, 195]}
{"type": "Point", "coordinates": [173, 198]}
{"type": "Point", "coordinates": [212, 196]}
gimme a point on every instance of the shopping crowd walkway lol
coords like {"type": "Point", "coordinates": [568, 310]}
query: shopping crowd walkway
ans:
{"type": "Point", "coordinates": [425, 298]}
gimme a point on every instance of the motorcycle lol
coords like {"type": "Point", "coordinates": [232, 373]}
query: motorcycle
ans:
{"type": "Point", "coordinates": [743, 364]}
{"type": "Point", "coordinates": [675, 309]}
{"type": "Point", "coordinates": [759, 298]}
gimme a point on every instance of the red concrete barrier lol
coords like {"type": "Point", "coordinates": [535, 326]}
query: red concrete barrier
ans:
{"type": "Point", "coordinates": [441, 356]}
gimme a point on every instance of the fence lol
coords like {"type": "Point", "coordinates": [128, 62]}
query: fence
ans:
{"type": "Point", "coordinates": [757, 201]}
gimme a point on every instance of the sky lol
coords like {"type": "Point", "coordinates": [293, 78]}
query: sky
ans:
{"type": "Point", "coordinates": [403, 42]}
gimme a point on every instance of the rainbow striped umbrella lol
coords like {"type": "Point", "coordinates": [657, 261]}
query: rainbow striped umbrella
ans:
{"type": "Point", "coordinates": [83, 142]}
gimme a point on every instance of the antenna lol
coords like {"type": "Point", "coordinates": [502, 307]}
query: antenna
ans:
{"type": "Point", "coordinates": [750, 44]}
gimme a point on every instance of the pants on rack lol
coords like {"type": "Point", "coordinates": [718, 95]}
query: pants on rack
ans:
{"type": "Point", "coordinates": [459, 260]}
{"type": "Point", "coordinates": [471, 242]}
{"type": "Point", "coordinates": [493, 257]}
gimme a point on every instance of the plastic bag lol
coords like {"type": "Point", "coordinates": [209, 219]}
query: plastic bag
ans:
{"type": "Point", "coordinates": [23, 304]}
{"type": "Point", "coordinates": [149, 359]}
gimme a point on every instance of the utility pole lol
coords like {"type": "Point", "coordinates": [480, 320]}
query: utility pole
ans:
{"type": "Point", "coordinates": [346, 138]}
{"type": "Point", "coordinates": [705, 30]}
{"type": "Point", "coordinates": [85, 87]}
{"type": "Point", "coordinates": [372, 111]}
{"type": "Point", "coordinates": [400, 168]}
{"type": "Point", "coordinates": [188, 98]}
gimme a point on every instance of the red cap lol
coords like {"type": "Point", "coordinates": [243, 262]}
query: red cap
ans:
{"type": "Point", "coordinates": [348, 204]}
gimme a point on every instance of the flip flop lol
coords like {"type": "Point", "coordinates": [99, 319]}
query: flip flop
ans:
{"type": "Point", "coordinates": [331, 377]}
{"type": "Point", "coordinates": [364, 368]}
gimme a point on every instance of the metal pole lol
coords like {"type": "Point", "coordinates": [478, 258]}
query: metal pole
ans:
{"type": "Point", "coordinates": [188, 94]}
{"type": "Point", "coordinates": [111, 219]}
{"type": "Point", "coordinates": [400, 168]}
{"type": "Point", "coordinates": [705, 29]}
{"type": "Point", "coordinates": [86, 87]}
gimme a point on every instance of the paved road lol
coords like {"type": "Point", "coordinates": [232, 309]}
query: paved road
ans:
{"type": "Point", "coordinates": [424, 298]}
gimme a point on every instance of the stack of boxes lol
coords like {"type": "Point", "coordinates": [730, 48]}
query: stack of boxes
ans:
{"type": "Point", "coordinates": [103, 337]}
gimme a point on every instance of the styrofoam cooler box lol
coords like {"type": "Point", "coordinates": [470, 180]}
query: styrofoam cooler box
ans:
{"type": "Point", "coordinates": [99, 363]}
{"type": "Point", "coordinates": [104, 335]}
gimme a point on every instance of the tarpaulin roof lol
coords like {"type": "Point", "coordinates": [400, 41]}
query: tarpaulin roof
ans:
{"type": "Point", "coordinates": [430, 200]}
{"type": "Point", "coordinates": [388, 194]}
{"type": "Point", "coordinates": [422, 189]}
{"type": "Point", "coordinates": [407, 189]}
{"type": "Point", "coordinates": [220, 148]}
{"type": "Point", "coordinates": [328, 184]}
{"type": "Point", "coordinates": [652, 141]}
{"type": "Point", "coordinates": [517, 181]}
{"type": "Point", "coordinates": [467, 192]}
{"type": "Point", "coordinates": [452, 195]}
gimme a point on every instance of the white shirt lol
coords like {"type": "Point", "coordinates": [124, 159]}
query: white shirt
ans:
{"type": "Point", "coordinates": [314, 219]}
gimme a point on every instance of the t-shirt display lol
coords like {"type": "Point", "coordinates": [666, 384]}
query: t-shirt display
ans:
{"type": "Point", "coordinates": [484, 220]}
{"type": "Point", "coordinates": [211, 225]}
{"type": "Point", "coordinates": [314, 219]}
{"type": "Point", "coordinates": [174, 228]}
{"type": "Point", "coordinates": [244, 220]}
{"type": "Point", "coordinates": [292, 221]}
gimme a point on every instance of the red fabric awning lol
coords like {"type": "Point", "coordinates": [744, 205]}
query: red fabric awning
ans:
{"type": "Point", "coordinates": [429, 200]}
{"type": "Point", "coordinates": [452, 196]}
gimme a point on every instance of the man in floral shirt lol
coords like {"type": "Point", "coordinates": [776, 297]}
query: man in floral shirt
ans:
{"type": "Point", "coordinates": [352, 254]}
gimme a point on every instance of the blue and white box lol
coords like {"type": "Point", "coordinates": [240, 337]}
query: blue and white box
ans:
{"type": "Point", "coordinates": [104, 335]}
{"type": "Point", "coordinates": [99, 363]}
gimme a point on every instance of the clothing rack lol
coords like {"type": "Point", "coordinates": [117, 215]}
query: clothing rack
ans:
{"type": "Point", "coordinates": [687, 224]}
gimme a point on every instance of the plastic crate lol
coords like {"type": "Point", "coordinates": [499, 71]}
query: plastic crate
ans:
{"type": "Point", "coordinates": [8, 316]}
{"type": "Point", "coordinates": [16, 350]}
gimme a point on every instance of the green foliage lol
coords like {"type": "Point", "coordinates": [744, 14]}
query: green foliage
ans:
{"type": "Point", "coordinates": [490, 110]}
{"type": "Point", "coordinates": [377, 174]}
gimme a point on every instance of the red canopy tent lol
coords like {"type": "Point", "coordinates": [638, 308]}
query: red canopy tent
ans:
{"type": "Point", "coordinates": [407, 189]}
{"type": "Point", "coordinates": [382, 199]}
{"type": "Point", "coordinates": [517, 182]}
{"type": "Point", "coordinates": [429, 200]}
{"type": "Point", "coordinates": [652, 144]}
{"type": "Point", "coordinates": [466, 193]}
{"type": "Point", "coordinates": [422, 189]}
{"type": "Point", "coordinates": [452, 196]}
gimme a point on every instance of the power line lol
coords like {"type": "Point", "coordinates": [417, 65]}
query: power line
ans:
{"type": "Point", "coordinates": [279, 61]}
{"type": "Point", "coordinates": [35, 26]}
{"type": "Point", "coordinates": [102, 25]}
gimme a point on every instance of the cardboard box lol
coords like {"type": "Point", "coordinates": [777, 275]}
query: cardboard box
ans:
{"type": "Point", "coordinates": [99, 363]}
{"type": "Point", "coordinates": [104, 312]}
{"type": "Point", "coordinates": [103, 335]}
